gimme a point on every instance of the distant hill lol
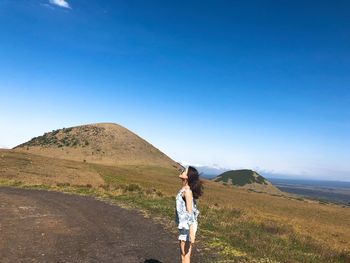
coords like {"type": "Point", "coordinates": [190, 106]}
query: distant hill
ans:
{"type": "Point", "coordinates": [247, 179]}
{"type": "Point", "coordinates": [210, 172]}
{"type": "Point", "coordinates": [103, 143]}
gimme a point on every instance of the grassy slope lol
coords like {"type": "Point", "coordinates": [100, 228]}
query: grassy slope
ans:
{"type": "Point", "coordinates": [34, 169]}
{"type": "Point", "coordinates": [243, 226]}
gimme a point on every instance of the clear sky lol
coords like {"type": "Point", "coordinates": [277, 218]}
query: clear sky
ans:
{"type": "Point", "coordinates": [238, 84]}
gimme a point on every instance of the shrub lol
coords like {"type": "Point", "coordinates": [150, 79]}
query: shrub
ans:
{"type": "Point", "coordinates": [67, 129]}
{"type": "Point", "coordinates": [105, 186]}
{"type": "Point", "coordinates": [62, 184]}
{"type": "Point", "coordinates": [133, 188]}
{"type": "Point", "coordinates": [75, 142]}
{"type": "Point", "coordinates": [54, 132]}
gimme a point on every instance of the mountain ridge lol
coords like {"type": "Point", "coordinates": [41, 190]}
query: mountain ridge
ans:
{"type": "Point", "coordinates": [104, 143]}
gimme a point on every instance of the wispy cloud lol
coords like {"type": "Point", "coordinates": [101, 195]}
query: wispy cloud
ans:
{"type": "Point", "coordinates": [60, 3]}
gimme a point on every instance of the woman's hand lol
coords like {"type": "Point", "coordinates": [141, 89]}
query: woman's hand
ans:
{"type": "Point", "coordinates": [192, 234]}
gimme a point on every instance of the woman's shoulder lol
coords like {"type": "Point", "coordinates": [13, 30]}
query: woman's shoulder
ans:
{"type": "Point", "coordinates": [186, 189]}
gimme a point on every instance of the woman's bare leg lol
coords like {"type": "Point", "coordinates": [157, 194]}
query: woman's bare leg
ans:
{"type": "Point", "coordinates": [188, 254]}
{"type": "Point", "coordinates": [182, 251]}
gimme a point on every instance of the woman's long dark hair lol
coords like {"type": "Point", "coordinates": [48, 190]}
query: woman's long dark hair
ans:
{"type": "Point", "coordinates": [194, 182]}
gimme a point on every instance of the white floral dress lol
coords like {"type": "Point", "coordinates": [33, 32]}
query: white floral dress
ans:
{"type": "Point", "coordinates": [184, 218]}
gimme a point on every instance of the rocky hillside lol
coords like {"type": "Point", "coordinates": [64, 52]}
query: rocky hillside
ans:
{"type": "Point", "coordinates": [104, 143]}
{"type": "Point", "coordinates": [247, 179]}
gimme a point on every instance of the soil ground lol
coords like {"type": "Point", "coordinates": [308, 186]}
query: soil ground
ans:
{"type": "Point", "coordinates": [47, 226]}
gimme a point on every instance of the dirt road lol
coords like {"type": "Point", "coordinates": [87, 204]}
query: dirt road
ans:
{"type": "Point", "coordinates": [45, 226]}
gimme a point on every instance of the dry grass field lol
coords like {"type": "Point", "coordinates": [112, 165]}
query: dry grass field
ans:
{"type": "Point", "coordinates": [35, 169]}
{"type": "Point", "coordinates": [243, 226]}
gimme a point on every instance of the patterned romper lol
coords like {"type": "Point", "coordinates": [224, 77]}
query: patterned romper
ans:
{"type": "Point", "coordinates": [183, 218]}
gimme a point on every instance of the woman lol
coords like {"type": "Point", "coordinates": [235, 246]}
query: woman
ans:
{"type": "Point", "coordinates": [186, 210]}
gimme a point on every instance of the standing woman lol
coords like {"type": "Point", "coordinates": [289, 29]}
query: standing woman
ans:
{"type": "Point", "coordinates": [186, 210]}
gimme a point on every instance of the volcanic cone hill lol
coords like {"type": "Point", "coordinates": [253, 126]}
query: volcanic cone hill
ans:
{"type": "Point", "coordinates": [102, 143]}
{"type": "Point", "coordinates": [247, 179]}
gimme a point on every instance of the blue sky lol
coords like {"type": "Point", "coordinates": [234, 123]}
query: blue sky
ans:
{"type": "Point", "coordinates": [235, 84]}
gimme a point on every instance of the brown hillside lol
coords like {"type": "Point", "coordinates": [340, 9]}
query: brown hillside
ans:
{"type": "Point", "coordinates": [103, 143]}
{"type": "Point", "coordinates": [32, 169]}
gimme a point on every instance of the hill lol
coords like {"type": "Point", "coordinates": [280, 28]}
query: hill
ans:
{"type": "Point", "coordinates": [247, 179]}
{"type": "Point", "coordinates": [103, 143]}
